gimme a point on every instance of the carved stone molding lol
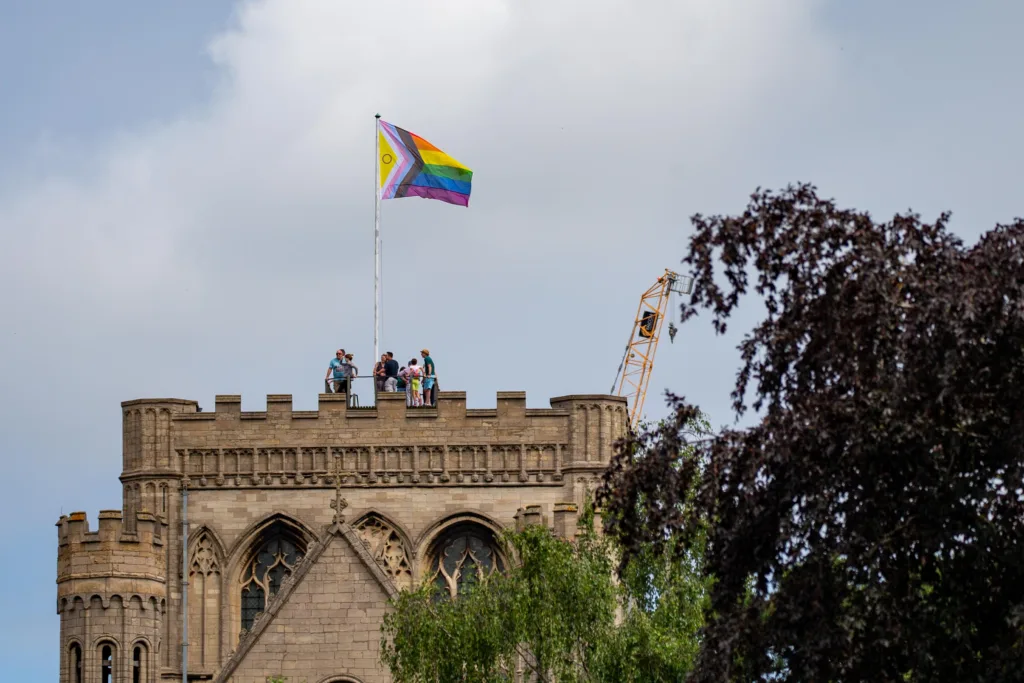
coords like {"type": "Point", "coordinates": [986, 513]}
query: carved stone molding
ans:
{"type": "Point", "coordinates": [387, 549]}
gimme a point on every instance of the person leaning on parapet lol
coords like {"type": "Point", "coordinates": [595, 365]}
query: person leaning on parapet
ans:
{"type": "Point", "coordinates": [336, 370]}
{"type": "Point", "coordinates": [390, 373]}
{"type": "Point", "coordinates": [379, 374]}
{"type": "Point", "coordinates": [351, 371]}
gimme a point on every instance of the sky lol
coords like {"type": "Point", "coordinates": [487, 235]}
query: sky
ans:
{"type": "Point", "coordinates": [186, 210]}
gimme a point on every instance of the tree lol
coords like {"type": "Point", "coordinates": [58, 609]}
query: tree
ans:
{"type": "Point", "coordinates": [560, 612]}
{"type": "Point", "coordinates": [869, 526]}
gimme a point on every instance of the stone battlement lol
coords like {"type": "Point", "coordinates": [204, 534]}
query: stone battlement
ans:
{"type": "Point", "coordinates": [87, 561]}
{"type": "Point", "coordinates": [451, 405]}
{"type": "Point", "coordinates": [387, 444]}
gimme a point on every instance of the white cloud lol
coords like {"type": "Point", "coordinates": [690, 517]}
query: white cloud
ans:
{"type": "Point", "coordinates": [559, 100]}
{"type": "Point", "coordinates": [239, 233]}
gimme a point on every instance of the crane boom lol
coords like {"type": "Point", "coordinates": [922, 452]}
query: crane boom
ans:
{"type": "Point", "coordinates": [634, 372]}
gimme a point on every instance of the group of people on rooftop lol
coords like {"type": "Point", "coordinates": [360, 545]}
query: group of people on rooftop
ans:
{"type": "Point", "coordinates": [418, 381]}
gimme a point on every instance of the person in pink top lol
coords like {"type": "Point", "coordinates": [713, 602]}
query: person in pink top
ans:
{"type": "Point", "coordinates": [414, 381]}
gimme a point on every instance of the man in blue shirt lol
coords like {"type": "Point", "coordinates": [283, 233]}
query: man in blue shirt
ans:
{"type": "Point", "coordinates": [337, 371]}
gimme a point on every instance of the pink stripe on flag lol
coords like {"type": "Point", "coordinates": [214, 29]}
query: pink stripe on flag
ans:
{"type": "Point", "coordinates": [435, 193]}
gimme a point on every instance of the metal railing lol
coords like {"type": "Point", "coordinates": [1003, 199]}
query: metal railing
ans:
{"type": "Point", "coordinates": [368, 386]}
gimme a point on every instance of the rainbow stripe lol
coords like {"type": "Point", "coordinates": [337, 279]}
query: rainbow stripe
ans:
{"type": "Point", "coordinates": [412, 167]}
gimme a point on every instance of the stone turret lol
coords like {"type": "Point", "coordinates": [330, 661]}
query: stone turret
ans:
{"type": "Point", "coordinates": [150, 471]}
{"type": "Point", "coordinates": [111, 593]}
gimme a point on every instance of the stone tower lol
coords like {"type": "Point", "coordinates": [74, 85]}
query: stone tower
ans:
{"type": "Point", "coordinates": [302, 524]}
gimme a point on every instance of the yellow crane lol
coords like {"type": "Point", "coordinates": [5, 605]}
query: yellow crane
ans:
{"type": "Point", "coordinates": [638, 361]}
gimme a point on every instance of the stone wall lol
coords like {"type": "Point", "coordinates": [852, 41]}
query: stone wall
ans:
{"type": "Point", "coordinates": [405, 476]}
{"type": "Point", "coordinates": [328, 626]}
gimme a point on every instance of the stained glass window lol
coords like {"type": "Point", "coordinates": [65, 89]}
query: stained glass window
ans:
{"type": "Point", "coordinates": [465, 555]}
{"type": "Point", "coordinates": [278, 555]}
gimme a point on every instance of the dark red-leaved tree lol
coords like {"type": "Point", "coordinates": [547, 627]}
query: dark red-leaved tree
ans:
{"type": "Point", "coordinates": [870, 525]}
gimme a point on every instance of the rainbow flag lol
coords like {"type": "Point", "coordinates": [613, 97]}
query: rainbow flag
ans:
{"type": "Point", "coordinates": [412, 167]}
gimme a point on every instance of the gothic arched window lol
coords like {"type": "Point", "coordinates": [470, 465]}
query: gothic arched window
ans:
{"type": "Point", "coordinates": [464, 555]}
{"type": "Point", "coordinates": [279, 551]}
{"type": "Point", "coordinates": [75, 663]}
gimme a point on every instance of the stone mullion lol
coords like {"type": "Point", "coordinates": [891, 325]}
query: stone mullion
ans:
{"type": "Point", "coordinates": [227, 626]}
{"type": "Point", "coordinates": [88, 652]}
{"type": "Point", "coordinates": [416, 463]}
{"type": "Point", "coordinates": [125, 653]}
{"type": "Point", "coordinates": [381, 463]}
{"type": "Point", "coordinates": [593, 432]}
{"type": "Point", "coordinates": [164, 434]}
{"type": "Point", "coordinates": [488, 475]}
{"type": "Point", "coordinates": [202, 616]}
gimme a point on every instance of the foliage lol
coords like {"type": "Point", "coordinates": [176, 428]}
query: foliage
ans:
{"type": "Point", "coordinates": [870, 525]}
{"type": "Point", "coordinates": [555, 612]}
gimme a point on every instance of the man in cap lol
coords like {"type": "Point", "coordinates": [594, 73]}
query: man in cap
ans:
{"type": "Point", "coordinates": [429, 379]}
{"type": "Point", "coordinates": [336, 371]}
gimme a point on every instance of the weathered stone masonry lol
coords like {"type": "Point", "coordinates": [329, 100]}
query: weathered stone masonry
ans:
{"type": "Point", "coordinates": [278, 584]}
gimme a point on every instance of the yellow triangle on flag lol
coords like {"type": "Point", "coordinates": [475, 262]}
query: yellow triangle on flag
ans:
{"type": "Point", "coordinates": [388, 160]}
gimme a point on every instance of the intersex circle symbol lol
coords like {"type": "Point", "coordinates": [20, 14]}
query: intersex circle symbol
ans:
{"type": "Point", "coordinates": [386, 159]}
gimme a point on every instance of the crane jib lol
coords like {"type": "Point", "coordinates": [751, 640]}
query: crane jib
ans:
{"type": "Point", "coordinates": [634, 371]}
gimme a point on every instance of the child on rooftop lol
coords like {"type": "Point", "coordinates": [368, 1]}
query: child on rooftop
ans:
{"type": "Point", "coordinates": [415, 377]}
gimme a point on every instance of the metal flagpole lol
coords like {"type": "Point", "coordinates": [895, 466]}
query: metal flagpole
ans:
{"type": "Point", "coordinates": [376, 239]}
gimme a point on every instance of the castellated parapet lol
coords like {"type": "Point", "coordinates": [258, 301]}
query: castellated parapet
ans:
{"type": "Point", "coordinates": [111, 559]}
{"type": "Point", "coordinates": [111, 590]}
{"type": "Point", "coordinates": [290, 510]}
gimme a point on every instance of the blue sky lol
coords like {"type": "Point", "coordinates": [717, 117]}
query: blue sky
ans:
{"type": "Point", "coordinates": [185, 206]}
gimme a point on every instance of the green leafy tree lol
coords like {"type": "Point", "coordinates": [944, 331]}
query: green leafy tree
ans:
{"type": "Point", "coordinates": [562, 612]}
{"type": "Point", "coordinates": [870, 525]}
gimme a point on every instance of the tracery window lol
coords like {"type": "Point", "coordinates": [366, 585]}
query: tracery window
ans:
{"type": "Point", "coordinates": [462, 557]}
{"type": "Point", "coordinates": [75, 663]}
{"type": "Point", "coordinates": [387, 548]}
{"type": "Point", "coordinates": [280, 551]}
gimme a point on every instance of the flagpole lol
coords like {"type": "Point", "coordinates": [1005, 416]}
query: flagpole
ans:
{"type": "Point", "coordinates": [376, 239]}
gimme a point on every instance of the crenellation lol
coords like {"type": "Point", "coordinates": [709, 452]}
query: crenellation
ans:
{"type": "Point", "coordinates": [564, 520]}
{"type": "Point", "coordinates": [109, 526]}
{"type": "Point", "coordinates": [511, 407]}
{"type": "Point", "coordinates": [227, 406]}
